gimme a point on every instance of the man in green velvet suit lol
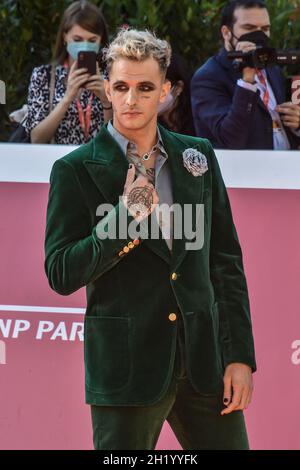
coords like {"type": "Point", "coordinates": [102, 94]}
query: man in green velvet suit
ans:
{"type": "Point", "coordinates": [167, 325]}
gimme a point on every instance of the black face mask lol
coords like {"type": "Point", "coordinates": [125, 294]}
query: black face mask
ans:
{"type": "Point", "coordinates": [259, 38]}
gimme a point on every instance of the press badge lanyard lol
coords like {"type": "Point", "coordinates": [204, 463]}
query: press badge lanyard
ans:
{"type": "Point", "coordinates": [266, 94]}
{"type": "Point", "coordinates": [266, 99]}
{"type": "Point", "coordinates": [84, 115]}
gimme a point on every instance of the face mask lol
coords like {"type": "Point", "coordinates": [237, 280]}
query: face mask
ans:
{"type": "Point", "coordinates": [167, 104]}
{"type": "Point", "coordinates": [259, 38]}
{"type": "Point", "coordinates": [75, 47]}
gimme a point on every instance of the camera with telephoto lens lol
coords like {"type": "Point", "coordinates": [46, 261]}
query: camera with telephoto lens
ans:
{"type": "Point", "coordinates": [261, 57]}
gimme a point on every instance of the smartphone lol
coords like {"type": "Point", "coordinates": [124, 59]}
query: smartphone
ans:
{"type": "Point", "coordinates": [87, 59]}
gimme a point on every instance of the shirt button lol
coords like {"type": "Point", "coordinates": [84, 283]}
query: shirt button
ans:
{"type": "Point", "coordinates": [172, 316]}
{"type": "Point", "coordinates": [174, 276]}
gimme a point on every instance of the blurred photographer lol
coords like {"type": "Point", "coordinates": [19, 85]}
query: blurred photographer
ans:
{"type": "Point", "coordinates": [244, 109]}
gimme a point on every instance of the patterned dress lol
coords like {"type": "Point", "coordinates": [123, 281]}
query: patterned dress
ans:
{"type": "Point", "coordinates": [69, 130]}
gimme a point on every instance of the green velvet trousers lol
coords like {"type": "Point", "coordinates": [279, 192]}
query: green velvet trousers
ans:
{"type": "Point", "coordinates": [194, 418]}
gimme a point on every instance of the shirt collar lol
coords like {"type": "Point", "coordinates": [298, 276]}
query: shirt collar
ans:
{"type": "Point", "coordinates": [123, 141]}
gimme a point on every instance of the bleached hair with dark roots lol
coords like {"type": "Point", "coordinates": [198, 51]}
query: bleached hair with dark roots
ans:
{"type": "Point", "coordinates": [138, 45]}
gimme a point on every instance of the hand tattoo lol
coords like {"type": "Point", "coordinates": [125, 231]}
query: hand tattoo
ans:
{"type": "Point", "coordinates": [151, 173]}
{"type": "Point", "coordinates": [140, 199]}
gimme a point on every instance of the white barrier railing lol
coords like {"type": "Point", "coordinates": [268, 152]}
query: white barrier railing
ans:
{"type": "Point", "coordinates": [29, 163]}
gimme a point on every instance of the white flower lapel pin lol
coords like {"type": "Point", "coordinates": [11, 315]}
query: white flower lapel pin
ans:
{"type": "Point", "coordinates": [195, 162]}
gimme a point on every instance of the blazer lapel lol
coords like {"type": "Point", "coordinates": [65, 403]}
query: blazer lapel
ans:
{"type": "Point", "coordinates": [186, 189]}
{"type": "Point", "coordinates": [274, 80]}
{"type": "Point", "coordinates": [108, 169]}
{"type": "Point", "coordinates": [107, 166]}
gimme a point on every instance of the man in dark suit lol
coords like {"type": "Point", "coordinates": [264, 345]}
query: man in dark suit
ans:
{"type": "Point", "coordinates": [167, 327]}
{"type": "Point", "coordinates": [243, 110]}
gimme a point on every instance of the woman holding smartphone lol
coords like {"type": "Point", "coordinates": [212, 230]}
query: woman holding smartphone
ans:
{"type": "Point", "coordinates": [79, 106]}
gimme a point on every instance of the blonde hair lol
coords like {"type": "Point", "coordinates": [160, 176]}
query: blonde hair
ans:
{"type": "Point", "coordinates": [138, 45]}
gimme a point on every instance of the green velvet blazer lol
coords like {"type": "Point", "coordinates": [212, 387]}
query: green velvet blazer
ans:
{"type": "Point", "coordinates": [129, 339]}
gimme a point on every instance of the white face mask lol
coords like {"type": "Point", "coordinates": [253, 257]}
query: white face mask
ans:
{"type": "Point", "coordinates": [168, 103]}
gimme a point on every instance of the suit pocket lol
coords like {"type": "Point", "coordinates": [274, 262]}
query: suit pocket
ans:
{"type": "Point", "coordinates": [203, 353]}
{"type": "Point", "coordinates": [106, 350]}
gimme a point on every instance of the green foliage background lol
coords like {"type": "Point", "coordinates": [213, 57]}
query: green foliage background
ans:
{"type": "Point", "coordinates": [28, 29]}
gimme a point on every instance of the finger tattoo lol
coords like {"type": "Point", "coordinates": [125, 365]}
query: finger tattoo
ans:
{"type": "Point", "coordinates": [151, 173]}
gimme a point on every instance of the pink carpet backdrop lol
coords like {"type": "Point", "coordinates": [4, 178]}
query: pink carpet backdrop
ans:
{"type": "Point", "coordinates": [41, 349]}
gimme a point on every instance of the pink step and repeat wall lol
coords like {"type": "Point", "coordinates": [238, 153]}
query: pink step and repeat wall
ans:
{"type": "Point", "coordinates": [41, 349]}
